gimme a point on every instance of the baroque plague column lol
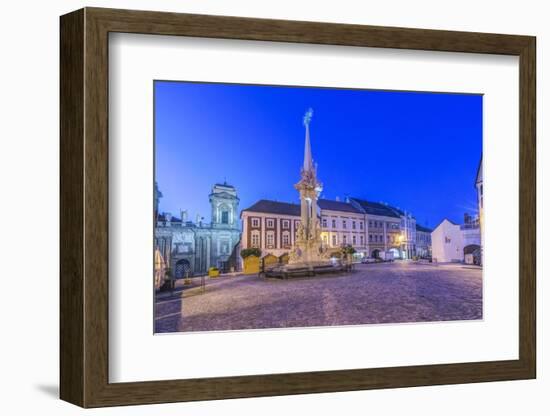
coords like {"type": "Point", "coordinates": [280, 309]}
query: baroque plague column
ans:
{"type": "Point", "coordinates": [308, 247]}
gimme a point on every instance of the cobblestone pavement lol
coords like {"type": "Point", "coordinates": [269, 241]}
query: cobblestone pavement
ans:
{"type": "Point", "coordinates": [373, 293]}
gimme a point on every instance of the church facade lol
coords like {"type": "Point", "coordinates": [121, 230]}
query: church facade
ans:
{"type": "Point", "coordinates": [192, 247]}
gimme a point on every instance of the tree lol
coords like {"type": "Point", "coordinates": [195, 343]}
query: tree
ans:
{"type": "Point", "coordinates": [348, 250]}
{"type": "Point", "coordinates": [251, 252]}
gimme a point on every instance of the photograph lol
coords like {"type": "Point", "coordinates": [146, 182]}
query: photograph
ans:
{"type": "Point", "coordinates": [281, 206]}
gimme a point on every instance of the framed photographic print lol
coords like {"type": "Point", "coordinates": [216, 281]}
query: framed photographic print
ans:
{"type": "Point", "coordinates": [255, 207]}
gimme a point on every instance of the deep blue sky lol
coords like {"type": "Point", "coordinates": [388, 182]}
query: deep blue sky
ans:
{"type": "Point", "coordinates": [417, 151]}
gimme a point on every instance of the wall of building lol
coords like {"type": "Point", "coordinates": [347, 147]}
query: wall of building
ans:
{"type": "Point", "coordinates": [344, 228]}
{"type": "Point", "coordinates": [447, 243]}
{"type": "Point", "coordinates": [257, 228]}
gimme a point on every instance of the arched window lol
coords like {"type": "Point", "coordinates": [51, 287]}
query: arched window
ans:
{"type": "Point", "coordinates": [225, 217]}
{"type": "Point", "coordinates": [224, 214]}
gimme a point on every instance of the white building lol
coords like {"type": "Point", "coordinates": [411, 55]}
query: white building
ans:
{"type": "Point", "coordinates": [452, 242]}
{"type": "Point", "coordinates": [447, 242]}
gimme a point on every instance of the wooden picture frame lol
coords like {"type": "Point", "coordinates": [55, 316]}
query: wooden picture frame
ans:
{"type": "Point", "coordinates": [84, 207]}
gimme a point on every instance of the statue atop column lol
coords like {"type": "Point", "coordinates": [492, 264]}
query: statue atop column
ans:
{"type": "Point", "coordinates": [308, 244]}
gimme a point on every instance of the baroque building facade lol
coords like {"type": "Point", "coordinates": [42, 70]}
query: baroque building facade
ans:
{"type": "Point", "coordinates": [192, 247]}
{"type": "Point", "coordinates": [372, 228]}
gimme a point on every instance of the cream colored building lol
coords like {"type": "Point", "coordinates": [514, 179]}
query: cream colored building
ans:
{"type": "Point", "coordinates": [343, 224]}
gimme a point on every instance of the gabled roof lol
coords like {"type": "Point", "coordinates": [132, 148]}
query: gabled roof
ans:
{"type": "Point", "coordinates": [274, 207]}
{"type": "Point", "coordinates": [376, 208]}
{"type": "Point", "coordinates": [448, 220]}
{"type": "Point", "coordinates": [423, 229]}
{"type": "Point", "coordinates": [331, 205]}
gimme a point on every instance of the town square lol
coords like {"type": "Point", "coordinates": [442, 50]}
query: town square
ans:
{"type": "Point", "coordinates": [397, 292]}
{"type": "Point", "coordinates": [311, 260]}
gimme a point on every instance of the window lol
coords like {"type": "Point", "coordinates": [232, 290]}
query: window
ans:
{"type": "Point", "coordinates": [333, 223]}
{"type": "Point", "coordinates": [370, 238]}
{"type": "Point", "coordinates": [334, 242]}
{"type": "Point", "coordinates": [361, 225]}
{"type": "Point", "coordinates": [255, 237]}
{"type": "Point", "coordinates": [255, 222]}
{"type": "Point", "coordinates": [270, 223]}
{"type": "Point", "coordinates": [370, 223]}
{"type": "Point", "coordinates": [354, 240]}
{"type": "Point", "coordinates": [362, 239]}
{"type": "Point", "coordinates": [344, 239]}
{"type": "Point", "coordinates": [286, 224]}
{"type": "Point", "coordinates": [270, 239]}
{"type": "Point", "coordinates": [353, 225]}
{"type": "Point", "coordinates": [324, 223]}
{"type": "Point", "coordinates": [286, 238]}
{"type": "Point", "coordinates": [225, 217]}
{"type": "Point", "coordinates": [343, 223]}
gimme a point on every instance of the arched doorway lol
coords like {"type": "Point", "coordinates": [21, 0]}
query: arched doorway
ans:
{"type": "Point", "coordinates": [284, 258]}
{"type": "Point", "coordinates": [472, 254]}
{"type": "Point", "coordinates": [470, 249]}
{"type": "Point", "coordinates": [182, 268]}
{"type": "Point", "coordinates": [375, 253]}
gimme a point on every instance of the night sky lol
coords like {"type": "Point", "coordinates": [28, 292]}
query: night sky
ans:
{"type": "Point", "coordinates": [417, 151]}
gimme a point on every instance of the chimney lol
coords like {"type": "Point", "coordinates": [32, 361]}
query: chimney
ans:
{"type": "Point", "coordinates": [338, 198]}
{"type": "Point", "coordinates": [184, 216]}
